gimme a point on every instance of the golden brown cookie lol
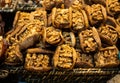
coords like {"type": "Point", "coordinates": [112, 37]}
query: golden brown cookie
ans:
{"type": "Point", "coordinates": [64, 57]}
{"type": "Point", "coordinates": [107, 57]}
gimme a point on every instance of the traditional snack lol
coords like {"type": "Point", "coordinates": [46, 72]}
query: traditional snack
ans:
{"type": "Point", "coordinates": [96, 13]}
{"type": "Point", "coordinates": [107, 57]}
{"type": "Point", "coordinates": [108, 34]}
{"type": "Point", "coordinates": [20, 20]}
{"type": "Point", "coordinates": [38, 59]}
{"type": "Point", "coordinates": [28, 27]}
{"type": "Point", "coordinates": [13, 56]}
{"type": "Point", "coordinates": [77, 4]}
{"type": "Point", "coordinates": [113, 7]}
{"type": "Point", "coordinates": [41, 15]}
{"type": "Point", "coordinates": [84, 60]}
{"type": "Point", "coordinates": [79, 20]}
{"type": "Point", "coordinates": [53, 36]}
{"type": "Point", "coordinates": [89, 40]}
{"type": "Point", "coordinates": [64, 57]}
{"type": "Point", "coordinates": [49, 4]}
{"type": "Point", "coordinates": [2, 25]}
{"type": "Point", "coordinates": [62, 18]}
{"type": "Point", "coordinates": [29, 34]}
{"type": "Point", "coordinates": [69, 38]}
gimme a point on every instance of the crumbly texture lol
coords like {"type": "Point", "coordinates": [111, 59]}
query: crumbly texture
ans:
{"type": "Point", "coordinates": [88, 43]}
{"type": "Point", "coordinates": [31, 29]}
{"type": "Point", "coordinates": [77, 4]}
{"type": "Point", "coordinates": [37, 61]}
{"type": "Point", "coordinates": [23, 19]}
{"type": "Point", "coordinates": [113, 7]}
{"type": "Point", "coordinates": [53, 36]}
{"type": "Point", "coordinates": [62, 19]}
{"type": "Point", "coordinates": [96, 13]}
{"type": "Point", "coordinates": [12, 56]}
{"type": "Point", "coordinates": [65, 57]}
{"type": "Point", "coordinates": [83, 59]}
{"type": "Point", "coordinates": [109, 32]}
{"type": "Point", "coordinates": [77, 20]}
{"type": "Point", "coordinates": [107, 57]}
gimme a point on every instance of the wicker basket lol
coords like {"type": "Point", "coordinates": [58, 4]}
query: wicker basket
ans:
{"type": "Point", "coordinates": [79, 75]}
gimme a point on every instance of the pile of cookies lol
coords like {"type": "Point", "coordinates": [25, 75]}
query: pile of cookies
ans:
{"type": "Point", "coordinates": [65, 36]}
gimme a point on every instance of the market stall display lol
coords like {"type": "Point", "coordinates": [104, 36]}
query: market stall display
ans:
{"type": "Point", "coordinates": [66, 40]}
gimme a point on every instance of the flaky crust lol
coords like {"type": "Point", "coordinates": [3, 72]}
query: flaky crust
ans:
{"type": "Point", "coordinates": [107, 57]}
{"type": "Point", "coordinates": [89, 40]}
{"type": "Point", "coordinates": [113, 7]}
{"type": "Point", "coordinates": [65, 18]}
{"type": "Point", "coordinates": [58, 55]}
{"type": "Point", "coordinates": [96, 13]}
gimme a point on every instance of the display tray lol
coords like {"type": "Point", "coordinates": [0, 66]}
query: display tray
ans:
{"type": "Point", "coordinates": [78, 75]}
{"type": "Point", "coordinates": [90, 75]}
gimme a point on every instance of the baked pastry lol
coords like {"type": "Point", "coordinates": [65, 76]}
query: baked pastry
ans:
{"type": "Point", "coordinates": [113, 7]}
{"type": "Point", "coordinates": [83, 60]}
{"type": "Point", "coordinates": [64, 57]}
{"type": "Point", "coordinates": [89, 40]}
{"type": "Point", "coordinates": [53, 36]}
{"type": "Point", "coordinates": [38, 59]}
{"type": "Point", "coordinates": [62, 18]}
{"type": "Point", "coordinates": [49, 4]}
{"type": "Point", "coordinates": [13, 56]}
{"type": "Point", "coordinates": [108, 33]}
{"type": "Point", "coordinates": [29, 34]}
{"type": "Point", "coordinates": [69, 38]}
{"type": "Point", "coordinates": [2, 25]}
{"type": "Point", "coordinates": [96, 13]}
{"type": "Point", "coordinates": [107, 57]}
{"type": "Point", "coordinates": [20, 20]}
{"type": "Point", "coordinates": [41, 15]}
{"type": "Point", "coordinates": [79, 20]}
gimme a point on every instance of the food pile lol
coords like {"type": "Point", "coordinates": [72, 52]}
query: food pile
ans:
{"type": "Point", "coordinates": [65, 34]}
